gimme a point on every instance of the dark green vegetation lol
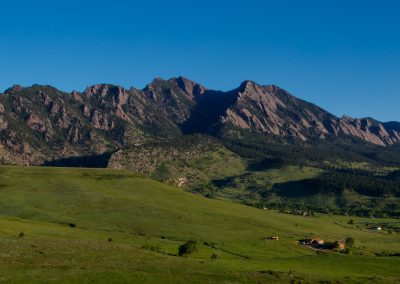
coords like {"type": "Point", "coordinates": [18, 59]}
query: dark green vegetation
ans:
{"type": "Point", "coordinates": [95, 225]}
{"type": "Point", "coordinates": [187, 248]}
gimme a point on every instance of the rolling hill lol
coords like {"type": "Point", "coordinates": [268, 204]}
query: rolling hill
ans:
{"type": "Point", "coordinates": [94, 225]}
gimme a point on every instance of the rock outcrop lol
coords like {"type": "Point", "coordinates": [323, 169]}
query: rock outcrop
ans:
{"type": "Point", "coordinates": [273, 111]}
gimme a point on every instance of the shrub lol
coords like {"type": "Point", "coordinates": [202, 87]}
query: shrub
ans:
{"type": "Point", "coordinates": [349, 242]}
{"type": "Point", "coordinates": [21, 235]}
{"type": "Point", "coordinates": [351, 222]}
{"type": "Point", "coordinates": [348, 251]}
{"type": "Point", "coordinates": [72, 225]}
{"type": "Point", "coordinates": [110, 240]}
{"type": "Point", "coordinates": [214, 256]}
{"type": "Point", "coordinates": [187, 248]}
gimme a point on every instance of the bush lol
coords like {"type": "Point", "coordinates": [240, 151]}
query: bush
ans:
{"type": "Point", "coordinates": [349, 242]}
{"type": "Point", "coordinates": [351, 222]}
{"type": "Point", "coordinates": [72, 225]}
{"type": "Point", "coordinates": [110, 240]}
{"type": "Point", "coordinates": [21, 235]}
{"type": "Point", "coordinates": [214, 256]}
{"type": "Point", "coordinates": [348, 251]}
{"type": "Point", "coordinates": [188, 248]}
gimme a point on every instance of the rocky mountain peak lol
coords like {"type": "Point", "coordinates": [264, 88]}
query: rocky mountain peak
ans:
{"type": "Point", "coordinates": [107, 92]}
{"type": "Point", "coordinates": [248, 85]}
{"type": "Point", "coordinates": [254, 90]}
{"type": "Point", "coordinates": [13, 89]}
{"type": "Point", "coordinates": [190, 87]}
{"type": "Point", "coordinates": [103, 90]}
{"type": "Point", "coordinates": [153, 84]}
{"type": "Point", "coordinates": [347, 118]}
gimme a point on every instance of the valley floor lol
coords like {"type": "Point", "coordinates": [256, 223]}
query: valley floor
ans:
{"type": "Point", "coordinates": [61, 225]}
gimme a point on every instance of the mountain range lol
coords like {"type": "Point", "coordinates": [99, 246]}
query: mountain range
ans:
{"type": "Point", "coordinates": [42, 123]}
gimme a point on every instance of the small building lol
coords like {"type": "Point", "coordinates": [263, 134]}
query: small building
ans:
{"type": "Point", "coordinates": [312, 242]}
{"type": "Point", "coordinates": [341, 245]}
{"type": "Point", "coordinates": [273, 238]}
{"type": "Point", "coordinates": [317, 241]}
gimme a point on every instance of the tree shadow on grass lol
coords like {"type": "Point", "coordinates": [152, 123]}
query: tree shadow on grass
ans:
{"type": "Point", "coordinates": [89, 161]}
{"type": "Point", "coordinates": [298, 188]}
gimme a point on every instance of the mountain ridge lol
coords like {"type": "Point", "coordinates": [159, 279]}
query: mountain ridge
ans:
{"type": "Point", "coordinates": [41, 123]}
{"type": "Point", "coordinates": [176, 79]}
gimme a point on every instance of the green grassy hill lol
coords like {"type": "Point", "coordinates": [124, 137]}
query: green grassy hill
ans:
{"type": "Point", "coordinates": [95, 225]}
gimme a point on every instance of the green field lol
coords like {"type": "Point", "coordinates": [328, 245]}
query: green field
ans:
{"type": "Point", "coordinates": [248, 187]}
{"type": "Point", "coordinates": [102, 226]}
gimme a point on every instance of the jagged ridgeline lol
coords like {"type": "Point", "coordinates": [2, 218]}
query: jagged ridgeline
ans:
{"type": "Point", "coordinates": [40, 123]}
{"type": "Point", "coordinates": [255, 144]}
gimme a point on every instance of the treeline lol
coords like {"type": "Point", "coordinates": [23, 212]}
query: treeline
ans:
{"type": "Point", "coordinates": [365, 184]}
{"type": "Point", "coordinates": [265, 151]}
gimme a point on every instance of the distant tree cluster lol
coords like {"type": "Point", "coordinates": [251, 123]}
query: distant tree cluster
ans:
{"type": "Point", "coordinates": [188, 248]}
{"type": "Point", "coordinates": [338, 181]}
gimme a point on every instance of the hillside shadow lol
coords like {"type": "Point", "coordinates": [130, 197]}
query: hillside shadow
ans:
{"type": "Point", "coordinates": [298, 188]}
{"type": "Point", "coordinates": [89, 161]}
{"type": "Point", "coordinates": [210, 107]}
{"type": "Point", "coordinates": [265, 164]}
{"type": "Point", "coordinates": [224, 182]}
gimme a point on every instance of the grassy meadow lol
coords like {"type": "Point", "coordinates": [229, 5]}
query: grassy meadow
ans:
{"type": "Point", "coordinates": [60, 225]}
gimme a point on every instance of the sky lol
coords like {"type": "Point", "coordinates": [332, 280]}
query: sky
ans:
{"type": "Point", "coordinates": [341, 55]}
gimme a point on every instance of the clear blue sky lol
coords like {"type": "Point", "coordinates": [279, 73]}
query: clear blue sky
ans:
{"type": "Point", "coordinates": [341, 55]}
